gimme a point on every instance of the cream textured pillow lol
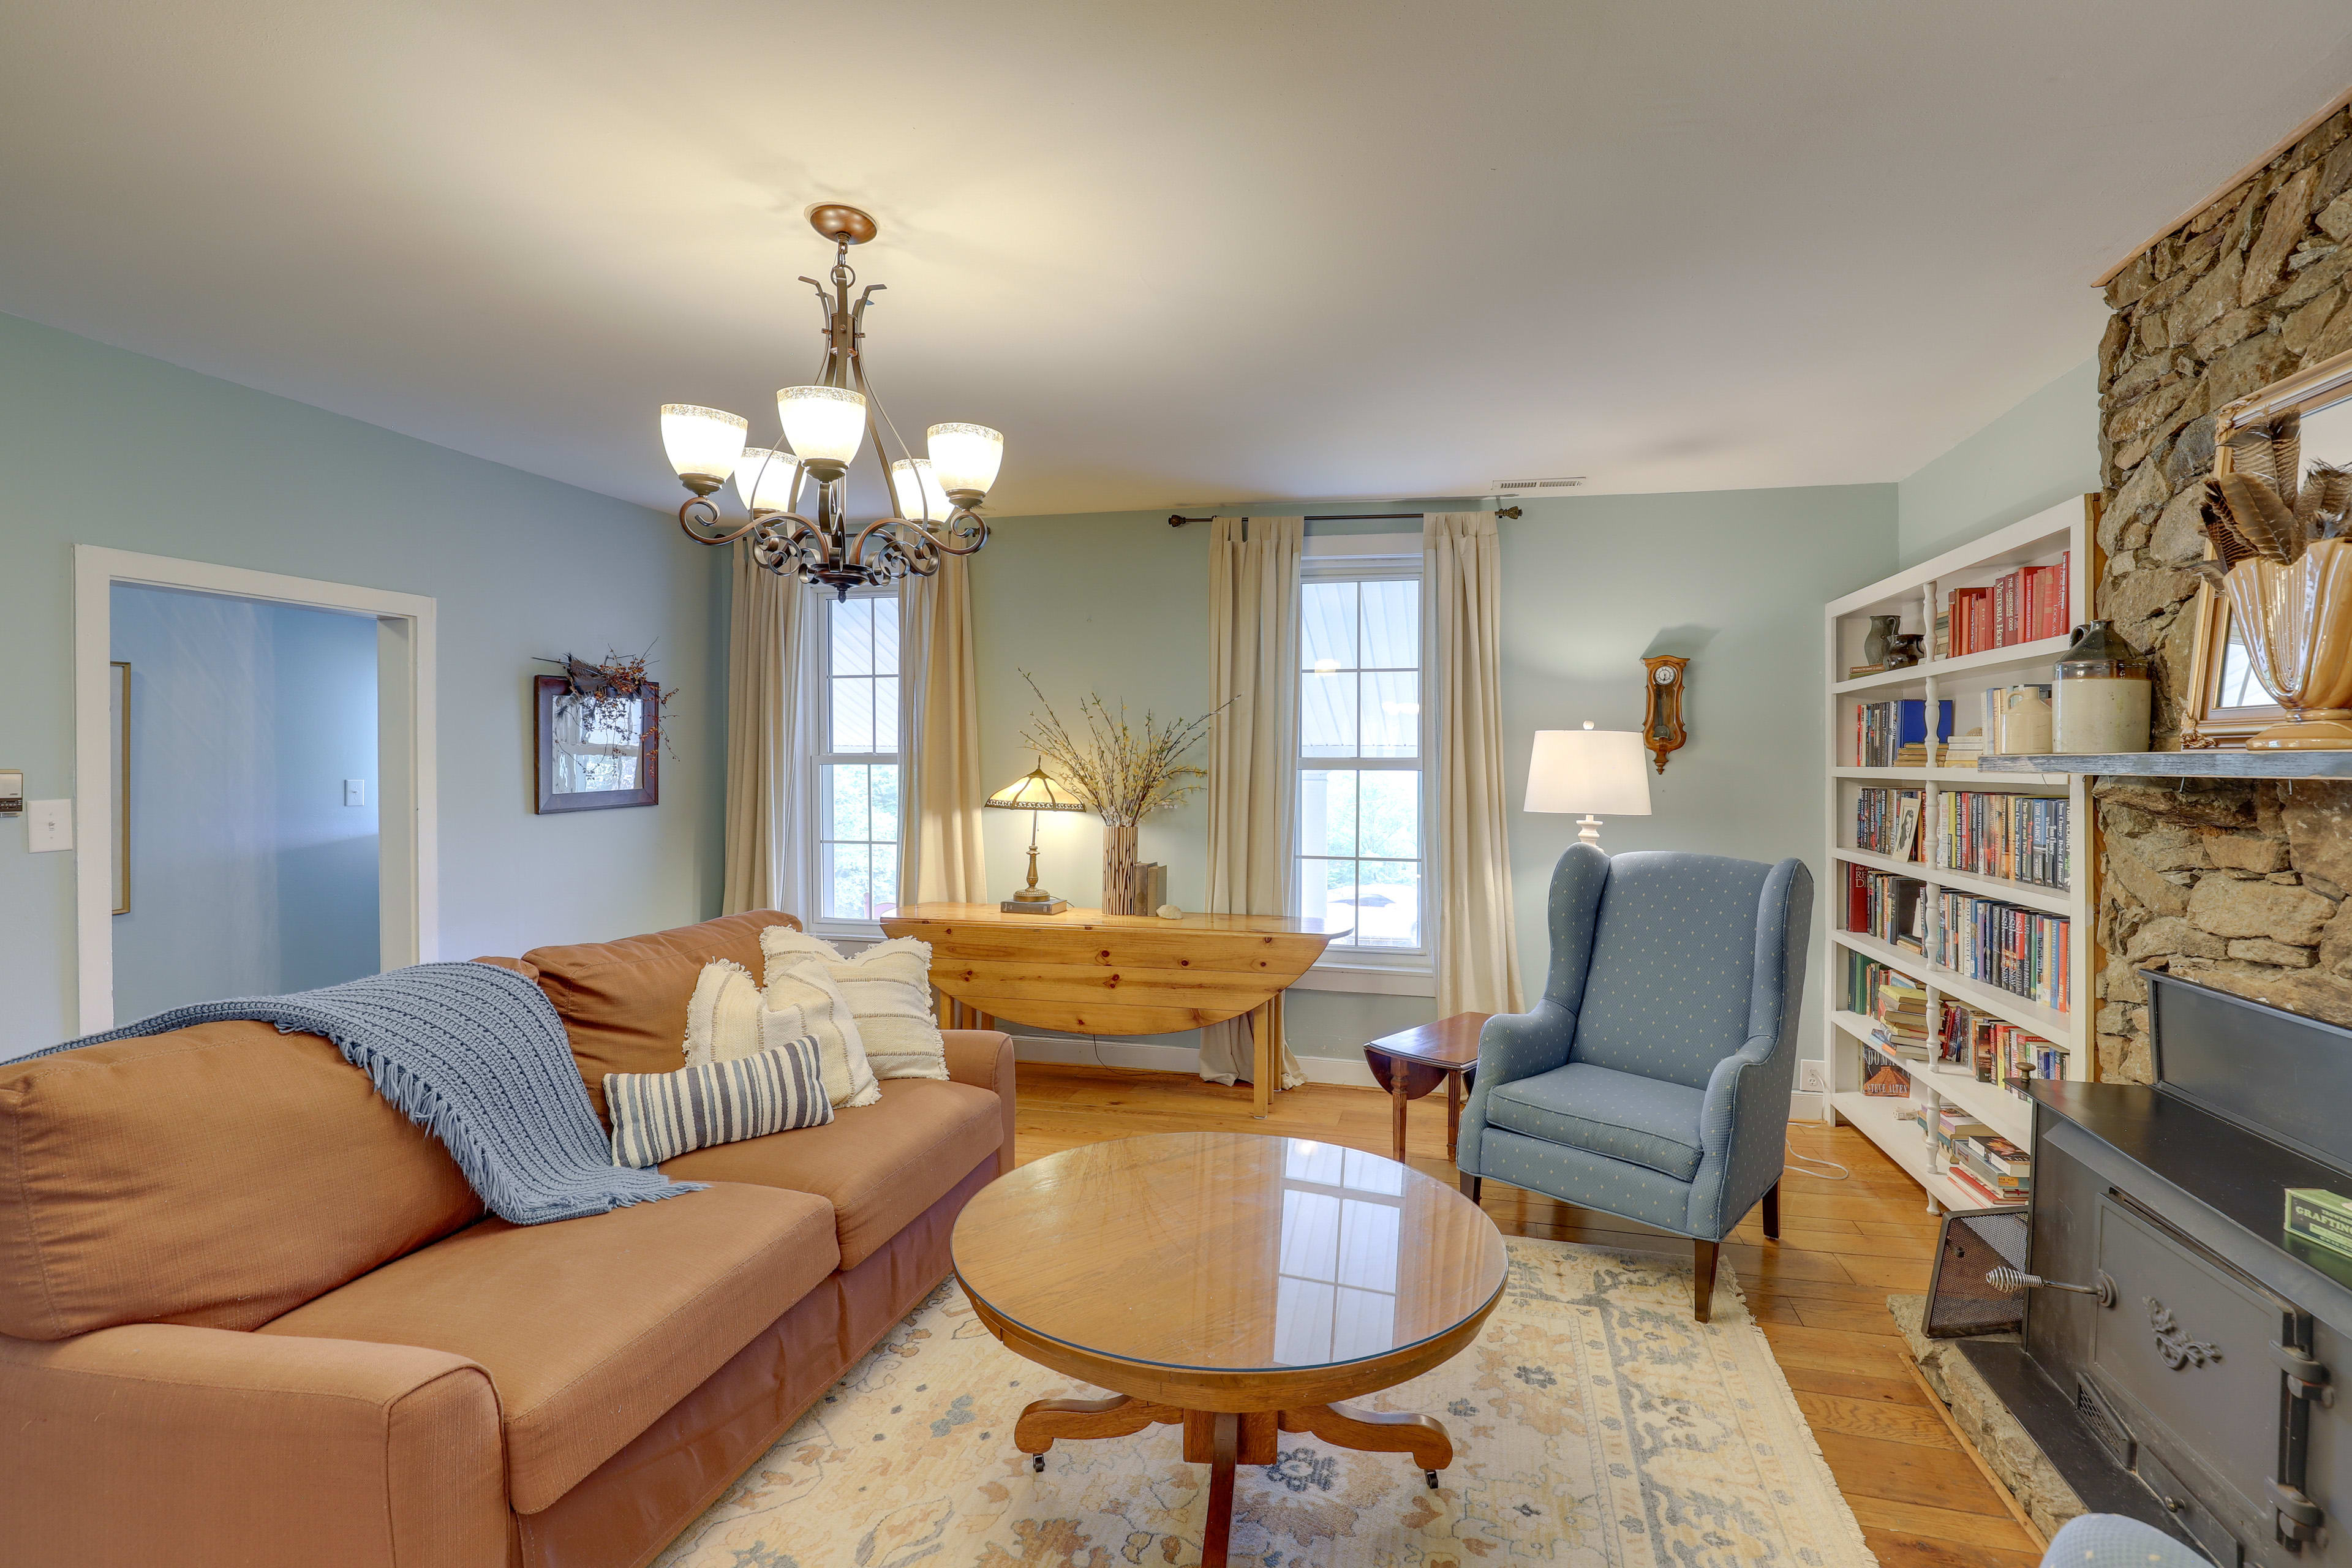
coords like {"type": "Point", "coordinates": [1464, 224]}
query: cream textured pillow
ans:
{"type": "Point", "coordinates": [888, 988]}
{"type": "Point", "coordinates": [799, 983]}
{"type": "Point", "coordinates": [729, 1019]}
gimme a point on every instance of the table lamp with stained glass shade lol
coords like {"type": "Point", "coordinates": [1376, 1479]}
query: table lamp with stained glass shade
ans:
{"type": "Point", "coordinates": [1033, 792]}
{"type": "Point", "coordinates": [1599, 772]}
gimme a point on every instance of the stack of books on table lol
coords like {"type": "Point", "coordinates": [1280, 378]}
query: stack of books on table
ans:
{"type": "Point", "coordinates": [1982, 1160]}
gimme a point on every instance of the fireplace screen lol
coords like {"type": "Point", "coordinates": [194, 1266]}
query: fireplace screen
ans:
{"type": "Point", "coordinates": [1960, 1301]}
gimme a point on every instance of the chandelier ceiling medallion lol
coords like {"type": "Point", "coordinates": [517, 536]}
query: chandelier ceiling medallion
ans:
{"type": "Point", "coordinates": [824, 425]}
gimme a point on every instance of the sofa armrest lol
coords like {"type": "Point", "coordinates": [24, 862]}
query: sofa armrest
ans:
{"type": "Point", "coordinates": [1512, 1046]}
{"type": "Point", "coordinates": [157, 1443]}
{"type": "Point", "coordinates": [983, 1059]}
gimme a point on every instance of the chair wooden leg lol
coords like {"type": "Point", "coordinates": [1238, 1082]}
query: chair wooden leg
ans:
{"type": "Point", "coordinates": [1772, 1212]}
{"type": "Point", "coordinates": [1470, 1185]}
{"type": "Point", "coordinates": [1703, 1255]}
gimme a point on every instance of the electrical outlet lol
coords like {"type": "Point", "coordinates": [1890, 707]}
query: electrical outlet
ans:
{"type": "Point", "coordinates": [1809, 1076]}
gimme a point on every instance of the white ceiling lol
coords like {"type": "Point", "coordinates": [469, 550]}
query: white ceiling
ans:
{"type": "Point", "coordinates": [1176, 252]}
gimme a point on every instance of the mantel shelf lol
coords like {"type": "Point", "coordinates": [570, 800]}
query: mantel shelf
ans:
{"type": "Point", "coordinates": [2213, 765]}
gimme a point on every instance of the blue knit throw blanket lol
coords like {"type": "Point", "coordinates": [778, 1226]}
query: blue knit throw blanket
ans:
{"type": "Point", "coordinates": [474, 1054]}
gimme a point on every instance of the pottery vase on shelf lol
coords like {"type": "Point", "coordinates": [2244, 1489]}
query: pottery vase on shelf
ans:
{"type": "Point", "coordinates": [2295, 620]}
{"type": "Point", "coordinates": [2099, 695]}
{"type": "Point", "coordinates": [1118, 869]}
{"type": "Point", "coordinates": [1881, 634]}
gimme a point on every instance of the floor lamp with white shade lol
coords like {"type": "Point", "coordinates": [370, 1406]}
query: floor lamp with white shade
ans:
{"type": "Point", "coordinates": [1601, 772]}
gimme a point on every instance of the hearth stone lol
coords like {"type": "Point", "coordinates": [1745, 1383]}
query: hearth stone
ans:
{"type": "Point", "coordinates": [2008, 1449]}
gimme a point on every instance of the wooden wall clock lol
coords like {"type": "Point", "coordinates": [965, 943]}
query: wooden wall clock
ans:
{"type": "Point", "coordinates": [1662, 721]}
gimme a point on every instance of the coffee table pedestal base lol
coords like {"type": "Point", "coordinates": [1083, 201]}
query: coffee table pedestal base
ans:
{"type": "Point", "coordinates": [1222, 1439]}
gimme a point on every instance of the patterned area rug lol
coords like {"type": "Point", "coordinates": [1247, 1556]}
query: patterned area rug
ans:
{"type": "Point", "coordinates": [1593, 1423]}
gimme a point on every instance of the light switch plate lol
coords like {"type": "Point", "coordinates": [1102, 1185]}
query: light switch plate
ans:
{"type": "Point", "coordinates": [355, 792]}
{"type": "Point", "coordinates": [48, 825]}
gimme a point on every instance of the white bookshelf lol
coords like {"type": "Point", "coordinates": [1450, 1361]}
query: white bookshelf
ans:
{"type": "Point", "coordinates": [1918, 595]}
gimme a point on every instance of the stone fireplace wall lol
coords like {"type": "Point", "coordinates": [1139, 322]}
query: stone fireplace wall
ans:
{"type": "Point", "coordinates": [2239, 886]}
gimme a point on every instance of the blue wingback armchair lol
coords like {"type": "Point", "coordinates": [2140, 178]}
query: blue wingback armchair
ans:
{"type": "Point", "coordinates": [1652, 1081]}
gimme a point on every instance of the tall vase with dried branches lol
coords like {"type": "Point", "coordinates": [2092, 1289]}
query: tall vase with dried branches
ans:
{"type": "Point", "coordinates": [1123, 773]}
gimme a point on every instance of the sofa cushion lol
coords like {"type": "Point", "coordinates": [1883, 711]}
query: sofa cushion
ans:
{"type": "Point", "coordinates": [623, 1003]}
{"type": "Point", "coordinates": [592, 1327]}
{"type": "Point", "coordinates": [217, 1176]}
{"type": "Point", "coordinates": [1623, 1115]}
{"type": "Point", "coordinates": [879, 1165]}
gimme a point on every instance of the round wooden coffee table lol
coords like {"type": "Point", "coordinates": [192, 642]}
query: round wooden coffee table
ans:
{"type": "Point", "coordinates": [1235, 1285]}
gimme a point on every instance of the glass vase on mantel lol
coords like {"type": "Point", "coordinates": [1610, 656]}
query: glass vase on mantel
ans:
{"type": "Point", "coordinates": [1119, 869]}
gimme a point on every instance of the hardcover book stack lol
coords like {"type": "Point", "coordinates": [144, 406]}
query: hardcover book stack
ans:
{"type": "Point", "coordinates": [2024, 952]}
{"type": "Point", "coordinates": [1981, 1161]}
{"type": "Point", "coordinates": [2026, 606]}
{"type": "Point", "coordinates": [1901, 1009]}
{"type": "Point", "coordinates": [1886, 822]}
{"type": "Point", "coordinates": [2019, 836]}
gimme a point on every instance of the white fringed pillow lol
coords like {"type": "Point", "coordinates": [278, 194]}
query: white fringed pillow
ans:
{"type": "Point", "coordinates": [888, 988]}
{"type": "Point", "coordinates": [730, 1019]}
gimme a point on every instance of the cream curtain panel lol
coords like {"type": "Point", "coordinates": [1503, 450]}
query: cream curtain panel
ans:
{"type": "Point", "coordinates": [771, 709]}
{"type": "Point", "coordinates": [1477, 951]}
{"type": "Point", "coordinates": [1253, 745]}
{"type": "Point", "coordinates": [940, 860]}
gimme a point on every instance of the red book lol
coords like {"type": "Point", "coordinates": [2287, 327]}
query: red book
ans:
{"type": "Point", "coordinates": [1857, 898]}
{"type": "Point", "coordinates": [1969, 1183]}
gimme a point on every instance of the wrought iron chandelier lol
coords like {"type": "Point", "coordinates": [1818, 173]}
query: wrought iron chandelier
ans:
{"type": "Point", "coordinates": [824, 425]}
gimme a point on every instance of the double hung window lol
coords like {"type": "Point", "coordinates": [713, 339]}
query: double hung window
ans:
{"type": "Point", "coordinates": [859, 768]}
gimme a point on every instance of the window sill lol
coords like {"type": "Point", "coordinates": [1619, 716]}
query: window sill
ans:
{"type": "Point", "coordinates": [1366, 980]}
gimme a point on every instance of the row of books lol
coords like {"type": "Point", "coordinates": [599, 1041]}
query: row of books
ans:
{"type": "Point", "coordinates": [1885, 732]}
{"type": "Point", "coordinates": [2024, 952]}
{"type": "Point", "coordinates": [1888, 907]}
{"type": "Point", "coordinates": [1995, 1050]}
{"type": "Point", "coordinates": [1886, 822]}
{"type": "Point", "coordinates": [2023, 838]}
{"type": "Point", "coordinates": [2026, 606]}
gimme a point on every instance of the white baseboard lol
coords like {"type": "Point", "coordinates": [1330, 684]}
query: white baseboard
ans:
{"type": "Point", "coordinates": [1807, 1105]}
{"type": "Point", "coordinates": [1173, 1058]}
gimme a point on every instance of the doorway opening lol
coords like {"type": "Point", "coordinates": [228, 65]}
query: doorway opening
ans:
{"type": "Point", "coordinates": [253, 782]}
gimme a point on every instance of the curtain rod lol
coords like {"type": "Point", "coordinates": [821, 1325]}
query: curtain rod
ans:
{"type": "Point", "coordinates": [1177, 521]}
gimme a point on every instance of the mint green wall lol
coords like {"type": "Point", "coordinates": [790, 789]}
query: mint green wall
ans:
{"type": "Point", "coordinates": [2033, 457]}
{"type": "Point", "coordinates": [102, 447]}
{"type": "Point", "coordinates": [1116, 603]}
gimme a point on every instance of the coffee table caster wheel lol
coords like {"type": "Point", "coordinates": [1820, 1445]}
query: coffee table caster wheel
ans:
{"type": "Point", "coordinates": [1431, 1476]}
{"type": "Point", "coordinates": [1037, 1463]}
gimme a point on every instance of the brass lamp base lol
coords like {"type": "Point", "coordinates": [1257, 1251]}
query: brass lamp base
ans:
{"type": "Point", "coordinates": [2321, 730]}
{"type": "Point", "coordinates": [1033, 901]}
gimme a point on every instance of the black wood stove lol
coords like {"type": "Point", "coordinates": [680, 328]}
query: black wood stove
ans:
{"type": "Point", "coordinates": [2177, 1346]}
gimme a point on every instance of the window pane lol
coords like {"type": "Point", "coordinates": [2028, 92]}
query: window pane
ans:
{"type": "Point", "coordinates": [1392, 714]}
{"type": "Point", "coordinates": [1389, 817]}
{"type": "Point", "coordinates": [845, 801]}
{"type": "Point", "coordinates": [1327, 625]}
{"type": "Point", "coordinates": [853, 637]}
{"type": "Point", "coordinates": [886, 804]}
{"type": "Point", "coordinates": [885, 614]}
{"type": "Point", "coordinates": [845, 880]}
{"type": "Point", "coordinates": [885, 881]}
{"type": "Point", "coordinates": [1327, 714]}
{"type": "Point", "coordinates": [1388, 903]}
{"type": "Point", "coordinates": [886, 715]}
{"type": "Point", "coordinates": [1315, 891]}
{"type": "Point", "coordinates": [853, 714]}
{"type": "Point", "coordinates": [1338, 882]}
{"type": "Point", "coordinates": [1326, 812]}
{"type": "Point", "coordinates": [1392, 625]}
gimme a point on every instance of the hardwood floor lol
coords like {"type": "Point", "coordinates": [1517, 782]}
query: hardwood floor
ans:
{"type": "Point", "coordinates": [1819, 1292]}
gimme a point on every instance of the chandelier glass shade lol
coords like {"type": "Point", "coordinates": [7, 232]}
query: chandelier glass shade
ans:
{"type": "Point", "coordinates": [826, 424]}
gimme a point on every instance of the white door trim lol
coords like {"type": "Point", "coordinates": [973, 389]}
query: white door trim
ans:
{"type": "Point", "coordinates": [406, 684]}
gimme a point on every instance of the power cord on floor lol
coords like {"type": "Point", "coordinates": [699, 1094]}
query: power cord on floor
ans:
{"type": "Point", "coordinates": [1843, 1174]}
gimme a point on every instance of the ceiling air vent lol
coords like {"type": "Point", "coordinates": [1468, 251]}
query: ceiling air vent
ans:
{"type": "Point", "coordinates": [1525, 489]}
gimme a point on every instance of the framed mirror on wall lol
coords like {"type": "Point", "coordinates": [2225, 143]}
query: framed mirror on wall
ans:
{"type": "Point", "coordinates": [2226, 702]}
{"type": "Point", "coordinates": [594, 753]}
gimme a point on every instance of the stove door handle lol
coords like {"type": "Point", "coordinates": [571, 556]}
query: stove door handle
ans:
{"type": "Point", "coordinates": [2298, 1516]}
{"type": "Point", "coordinates": [2306, 1378]}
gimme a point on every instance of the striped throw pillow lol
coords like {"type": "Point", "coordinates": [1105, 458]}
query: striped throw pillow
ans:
{"type": "Point", "coordinates": [659, 1115]}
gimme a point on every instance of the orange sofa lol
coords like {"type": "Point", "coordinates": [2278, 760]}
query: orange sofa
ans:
{"type": "Point", "coordinates": [253, 1316]}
